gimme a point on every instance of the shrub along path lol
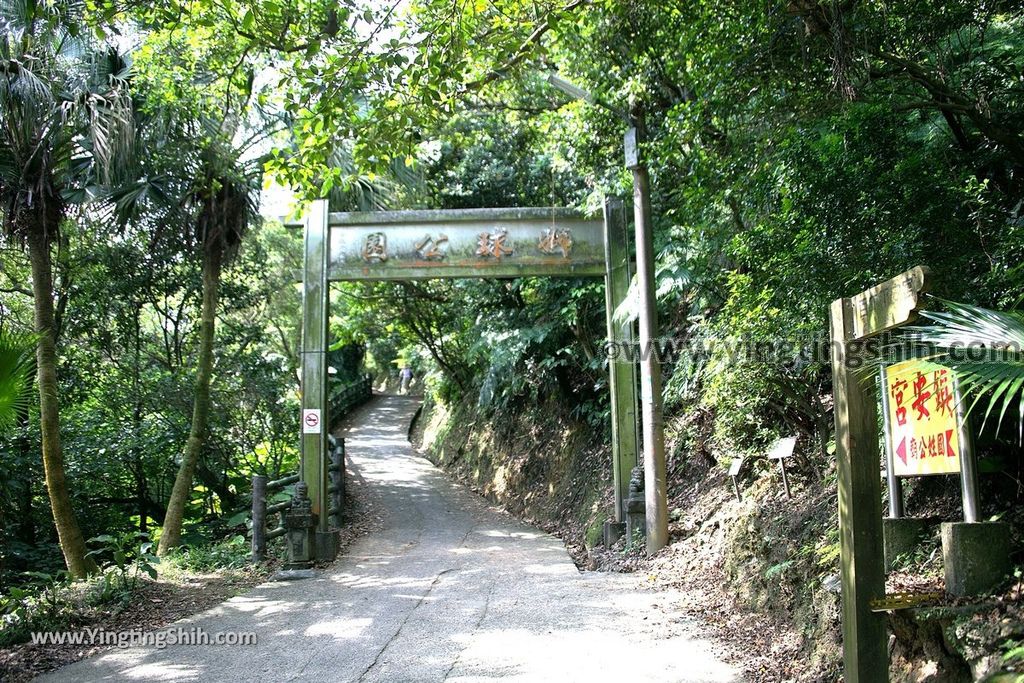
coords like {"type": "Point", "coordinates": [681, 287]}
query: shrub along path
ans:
{"type": "Point", "coordinates": [448, 589]}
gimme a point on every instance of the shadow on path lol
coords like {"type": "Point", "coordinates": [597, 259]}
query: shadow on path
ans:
{"type": "Point", "coordinates": [449, 589]}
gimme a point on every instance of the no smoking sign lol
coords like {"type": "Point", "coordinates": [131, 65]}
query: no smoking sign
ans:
{"type": "Point", "coordinates": [311, 421]}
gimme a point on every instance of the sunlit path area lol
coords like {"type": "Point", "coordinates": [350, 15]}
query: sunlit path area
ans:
{"type": "Point", "coordinates": [449, 589]}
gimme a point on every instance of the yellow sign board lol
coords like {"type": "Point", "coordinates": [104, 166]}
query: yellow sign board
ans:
{"type": "Point", "coordinates": [924, 434]}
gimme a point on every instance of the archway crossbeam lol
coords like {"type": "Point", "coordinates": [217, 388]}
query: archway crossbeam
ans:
{"type": "Point", "coordinates": [461, 243]}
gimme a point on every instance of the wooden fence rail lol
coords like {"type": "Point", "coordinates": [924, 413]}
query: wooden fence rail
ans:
{"type": "Point", "coordinates": [261, 511]}
{"type": "Point", "coordinates": [342, 402]}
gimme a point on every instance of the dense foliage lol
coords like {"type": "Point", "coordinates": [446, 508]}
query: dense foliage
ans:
{"type": "Point", "coordinates": [800, 151]}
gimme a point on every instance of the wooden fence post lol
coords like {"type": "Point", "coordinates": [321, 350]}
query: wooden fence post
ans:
{"type": "Point", "coordinates": [259, 517]}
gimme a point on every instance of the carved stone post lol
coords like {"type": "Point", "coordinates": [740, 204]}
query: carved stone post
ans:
{"type": "Point", "coordinates": [636, 506]}
{"type": "Point", "coordinates": [337, 483]}
{"type": "Point", "coordinates": [300, 524]}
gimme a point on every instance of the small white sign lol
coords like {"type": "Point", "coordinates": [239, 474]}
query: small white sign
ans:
{"type": "Point", "coordinates": [311, 421]}
{"type": "Point", "coordinates": [783, 448]}
{"type": "Point", "coordinates": [734, 467]}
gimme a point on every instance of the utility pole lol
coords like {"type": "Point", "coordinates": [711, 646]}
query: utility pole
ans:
{"type": "Point", "coordinates": [655, 476]}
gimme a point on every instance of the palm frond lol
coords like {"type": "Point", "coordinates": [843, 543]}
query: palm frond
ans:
{"type": "Point", "coordinates": [984, 348]}
{"type": "Point", "coordinates": [16, 367]}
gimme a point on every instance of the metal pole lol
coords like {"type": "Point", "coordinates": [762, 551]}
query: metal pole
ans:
{"type": "Point", "coordinates": [968, 465]}
{"type": "Point", "coordinates": [785, 479]}
{"type": "Point", "coordinates": [259, 517]}
{"type": "Point", "coordinates": [736, 489]}
{"type": "Point", "coordinates": [895, 484]}
{"type": "Point", "coordinates": [650, 366]}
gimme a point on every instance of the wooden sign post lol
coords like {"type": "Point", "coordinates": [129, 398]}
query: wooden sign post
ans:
{"type": "Point", "coordinates": [853, 320]}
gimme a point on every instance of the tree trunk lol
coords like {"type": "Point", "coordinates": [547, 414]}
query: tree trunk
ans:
{"type": "Point", "coordinates": [182, 491]}
{"type": "Point", "coordinates": [68, 532]}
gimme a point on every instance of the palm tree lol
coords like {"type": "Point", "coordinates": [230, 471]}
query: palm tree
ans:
{"type": "Point", "coordinates": [63, 108]}
{"type": "Point", "coordinates": [225, 201]}
{"type": "Point", "coordinates": [15, 379]}
{"type": "Point", "coordinates": [192, 187]}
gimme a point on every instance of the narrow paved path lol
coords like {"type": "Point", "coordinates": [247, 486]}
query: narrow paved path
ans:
{"type": "Point", "coordinates": [450, 589]}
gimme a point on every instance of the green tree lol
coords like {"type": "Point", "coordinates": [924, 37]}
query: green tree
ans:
{"type": "Point", "coordinates": [201, 182]}
{"type": "Point", "coordinates": [225, 199]}
{"type": "Point", "coordinates": [62, 116]}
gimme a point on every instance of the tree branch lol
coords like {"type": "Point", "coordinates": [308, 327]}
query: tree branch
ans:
{"type": "Point", "coordinates": [522, 53]}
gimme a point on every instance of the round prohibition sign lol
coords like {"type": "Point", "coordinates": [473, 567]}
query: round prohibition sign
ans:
{"type": "Point", "coordinates": [312, 419]}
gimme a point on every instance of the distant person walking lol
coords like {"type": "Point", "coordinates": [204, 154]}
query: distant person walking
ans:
{"type": "Point", "coordinates": [406, 376]}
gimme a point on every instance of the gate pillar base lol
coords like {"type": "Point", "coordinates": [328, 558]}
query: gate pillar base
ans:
{"type": "Point", "coordinates": [902, 536]}
{"type": "Point", "coordinates": [326, 546]}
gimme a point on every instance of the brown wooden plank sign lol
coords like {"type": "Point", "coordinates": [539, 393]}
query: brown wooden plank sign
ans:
{"type": "Point", "coordinates": [873, 311]}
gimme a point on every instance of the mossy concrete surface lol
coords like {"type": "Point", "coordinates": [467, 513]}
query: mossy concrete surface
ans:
{"type": "Point", "coordinates": [902, 537]}
{"type": "Point", "coordinates": [976, 556]}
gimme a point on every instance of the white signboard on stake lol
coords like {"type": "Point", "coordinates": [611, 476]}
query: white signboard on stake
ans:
{"type": "Point", "coordinates": [783, 448]}
{"type": "Point", "coordinates": [311, 421]}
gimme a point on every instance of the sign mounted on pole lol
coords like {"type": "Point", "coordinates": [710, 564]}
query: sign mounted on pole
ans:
{"type": "Point", "coordinates": [311, 421]}
{"type": "Point", "coordinates": [734, 472]}
{"type": "Point", "coordinates": [782, 449]}
{"type": "Point", "coordinates": [921, 407]}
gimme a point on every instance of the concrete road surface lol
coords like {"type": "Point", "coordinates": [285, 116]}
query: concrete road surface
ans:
{"type": "Point", "coordinates": [449, 590]}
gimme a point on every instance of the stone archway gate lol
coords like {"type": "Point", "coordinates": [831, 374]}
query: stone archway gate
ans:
{"type": "Point", "coordinates": [468, 243]}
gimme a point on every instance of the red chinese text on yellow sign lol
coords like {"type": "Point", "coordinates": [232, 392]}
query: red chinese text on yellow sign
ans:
{"type": "Point", "coordinates": [922, 419]}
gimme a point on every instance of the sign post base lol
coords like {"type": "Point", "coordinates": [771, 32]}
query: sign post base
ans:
{"type": "Point", "coordinates": [976, 556]}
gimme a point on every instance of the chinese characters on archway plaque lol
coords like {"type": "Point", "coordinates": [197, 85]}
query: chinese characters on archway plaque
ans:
{"type": "Point", "coordinates": [556, 240]}
{"type": "Point", "coordinates": [375, 248]}
{"type": "Point", "coordinates": [922, 420]}
{"type": "Point", "coordinates": [494, 245]}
